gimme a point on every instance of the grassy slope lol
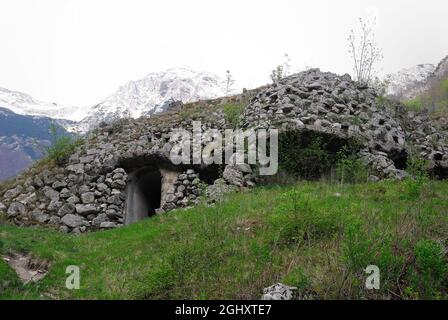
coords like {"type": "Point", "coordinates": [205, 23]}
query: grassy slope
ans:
{"type": "Point", "coordinates": [303, 235]}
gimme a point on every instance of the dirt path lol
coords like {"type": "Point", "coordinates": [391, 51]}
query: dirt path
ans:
{"type": "Point", "coordinates": [27, 268]}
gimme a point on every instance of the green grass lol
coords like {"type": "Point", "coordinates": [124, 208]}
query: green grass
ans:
{"type": "Point", "coordinates": [414, 104]}
{"type": "Point", "coordinates": [435, 99]}
{"type": "Point", "coordinates": [232, 113]}
{"type": "Point", "coordinates": [303, 235]}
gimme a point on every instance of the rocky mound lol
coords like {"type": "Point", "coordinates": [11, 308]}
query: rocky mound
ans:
{"type": "Point", "coordinates": [122, 172]}
{"type": "Point", "coordinates": [335, 105]}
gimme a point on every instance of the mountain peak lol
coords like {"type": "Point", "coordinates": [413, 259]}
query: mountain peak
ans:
{"type": "Point", "coordinates": [24, 104]}
{"type": "Point", "coordinates": [409, 82]}
{"type": "Point", "coordinates": [147, 95]}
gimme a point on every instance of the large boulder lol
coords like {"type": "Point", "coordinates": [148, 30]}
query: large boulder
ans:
{"type": "Point", "coordinates": [86, 209]}
{"type": "Point", "coordinates": [15, 209]}
{"type": "Point", "coordinates": [13, 193]}
{"type": "Point", "coordinates": [233, 175]}
{"type": "Point", "coordinates": [73, 220]}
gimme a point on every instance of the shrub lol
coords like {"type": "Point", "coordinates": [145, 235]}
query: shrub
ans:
{"type": "Point", "coordinates": [297, 278]}
{"type": "Point", "coordinates": [303, 156]}
{"type": "Point", "coordinates": [349, 168]}
{"type": "Point", "coordinates": [62, 147]}
{"type": "Point", "coordinates": [232, 113]}
{"type": "Point", "coordinates": [298, 222]}
{"type": "Point", "coordinates": [431, 270]}
{"type": "Point", "coordinates": [311, 156]}
{"type": "Point", "coordinates": [363, 247]}
{"type": "Point", "coordinates": [418, 168]}
{"type": "Point", "coordinates": [414, 104]}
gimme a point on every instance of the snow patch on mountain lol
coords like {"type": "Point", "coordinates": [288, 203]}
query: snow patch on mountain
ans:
{"type": "Point", "coordinates": [410, 82]}
{"type": "Point", "coordinates": [24, 104]}
{"type": "Point", "coordinates": [149, 95]}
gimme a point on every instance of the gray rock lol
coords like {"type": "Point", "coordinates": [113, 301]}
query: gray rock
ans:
{"type": "Point", "coordinates": [84, 189]}
{"type": "Point", "coordinates": [65, 193]}
{"type": "Point", "coordinates": [218, 191]}
{"type": "Point", "coordinates": [59, 185]}
{"type": "Point", "coordinates": [28, 199]}
{"type": "Point", "coordinates": [278, 292]}
{"type": "Point", "coordinates": [67, 208]}
{"type": "Point", "coordinates": [73, 220]}
{"type": "Point", "coordinates": [13, 193]}
{"type": "Point", "coordinates": [244, 168]}
{"type": "Point", "coordinates": [102, 187]}
{"type": "Point", "coordinates": [114, 200]}
{"type": "Point", "coordinates": [73, 200]}
{"type": "Point", "coordinates": [170, 198]}
{"type": "Point", "coordinates": [87, 159]}
{"type": "Point", "coordinates": [76, 168]}
{"type": "Point", "coordinates": [119, 184]}
{"type": "Point", "coordinates": [233, 176]}
{"type": "Point", "coordinates": [54, 205]}
{"type": "Point", "coordinates": [39, 216]}
{"type": "Point", "coordinates": [86, 209]}
{"type": "Point", "coordinates": [88, 197]}
{"type": "Point", "coordinates": [16, 208]}
{"type": "Point", "coordinates": [99, 219]}
{"type": "Point", "coordinates": [112, 214]}
{"type": "Point", "coordinates": [37, 182]}
{"type": "Point", "coordinates": [51, 194]}
{"type": "Point", "coordinates": [54, 220]}
{"type": "Point", "coordinates": [108, 225]}
{"type": "Point", "coordinates": [64, 229]}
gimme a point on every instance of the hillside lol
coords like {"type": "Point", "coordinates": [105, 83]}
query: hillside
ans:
{"type": "Point", "coordinates": [23, 140]}
{"type": "Point", "coordinates": [372, 198]}
{"type": "Point", "coordinates": [314, 236]}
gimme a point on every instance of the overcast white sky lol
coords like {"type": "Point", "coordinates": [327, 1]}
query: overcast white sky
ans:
{"type": "Point", "coordinates": [77, 52]}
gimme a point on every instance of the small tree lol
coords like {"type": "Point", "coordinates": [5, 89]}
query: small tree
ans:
{"type": "Point", "coordinates": [364, 51]}
{"type": "Point", "coordinates": [62, 147]}
{"type": "Point", "coordinates": [229, 82]}
{"type": "Point", "coordinates": [281, 70]}
{"type": "Point", "coordinates": [277, 74]}
{"type": "Point", "coordinates": [286, 65]}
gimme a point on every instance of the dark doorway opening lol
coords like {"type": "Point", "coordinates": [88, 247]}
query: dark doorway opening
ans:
{"type": "Point", "coordinates": [143, 194]}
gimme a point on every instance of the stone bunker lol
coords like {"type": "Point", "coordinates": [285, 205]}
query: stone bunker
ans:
{"type": "Point", "coordinates": [122, 173]}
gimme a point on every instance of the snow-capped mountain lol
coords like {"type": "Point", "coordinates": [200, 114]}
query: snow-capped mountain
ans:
{"type": "Point", "coordinates": [22, 103]}
{"type": "Point", "coordinates": [410, 82]}
{"type": "Point", "coordinates": [149, 95]}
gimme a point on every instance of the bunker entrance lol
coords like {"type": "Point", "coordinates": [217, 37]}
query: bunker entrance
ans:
{"type": "Point", "coordinates": [143, 194]}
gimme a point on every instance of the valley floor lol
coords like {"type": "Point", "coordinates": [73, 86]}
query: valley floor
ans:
{"type": "Point", "coordinates": [315, 236]}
